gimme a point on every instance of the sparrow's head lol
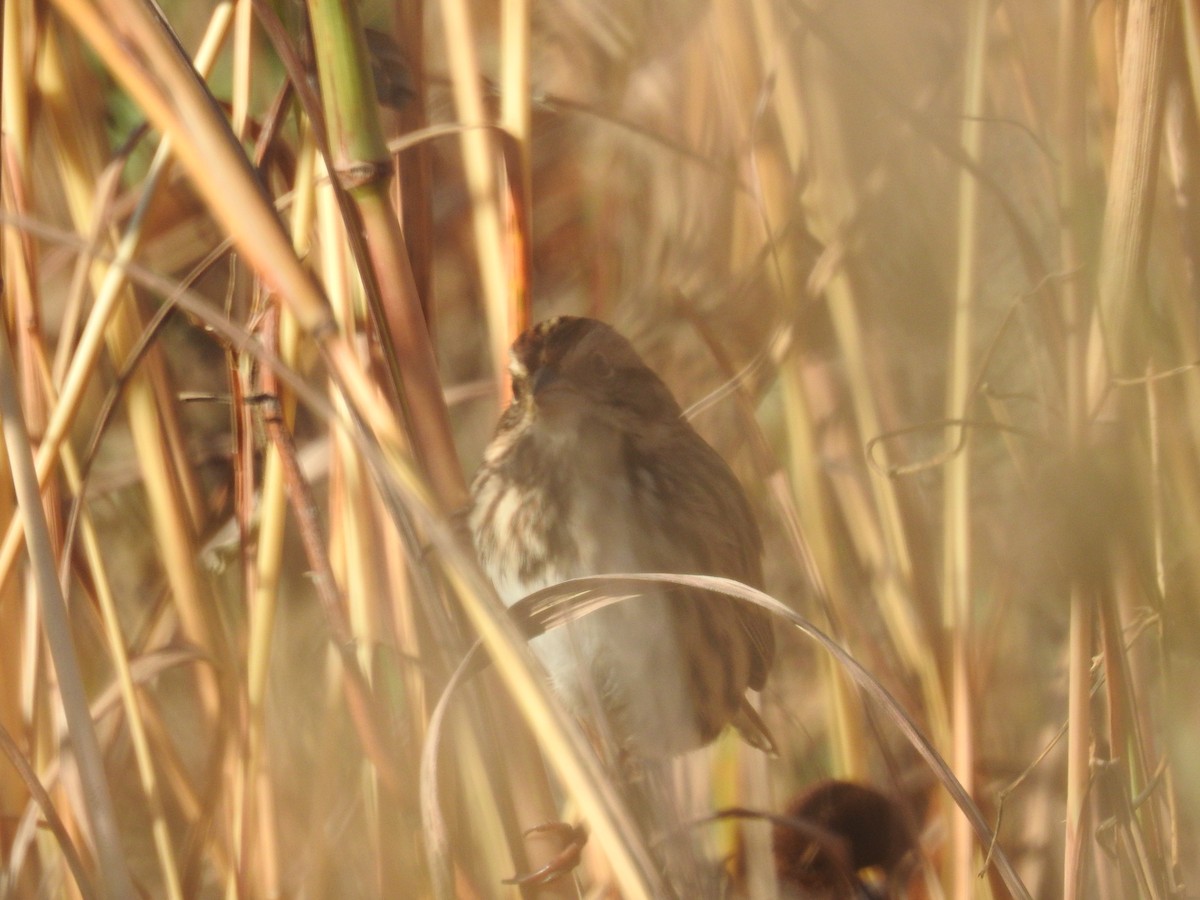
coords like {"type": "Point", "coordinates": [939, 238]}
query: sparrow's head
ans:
{"type": "Point", "coordinates": [582, 368]}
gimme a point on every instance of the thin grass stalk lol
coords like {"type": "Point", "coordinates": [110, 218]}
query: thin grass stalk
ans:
{"type": "Point", "coordinates": [1137, 144]}
{"type": "Point", "coordinates": [27, 334]}
{"type": "Point", "coordinates": [14, 98]}
{"type": "Point", "coordinates": [515, 119]}
{"type": "Point", "coordinates": [360, 556]}
{"type": "Point", "coordinates": [79, 142]}
{"type": "Point", "coordinates": [1173, 458]}
{"type": "Point", "coordinates": [356, 546]}
{"type": "Point", "coordinates": [272, 862]}
{"type": "Point", "coordinates": [54, 431]}
{"type": "Point", "coordinates": [479, 166]}
{"type": "Point", "coordinates": [1191, 47]}
{"type": "Point", "coordinates": [268, 563]}
{"type": "Point", "coordinates": [21, 306]}
{"type": "Point", "coordinates": [514, 85]}
{"type": "Point", "coordinates": [361, 709]}
{"type": "Point", "coordinates": [773, 49]}
{"type": "Point", "coordinates": [143, 755]}
{"type": "Point", "coordinates": [28, 328]}
{"type": "Point", "coordinates": [876, 523]}
{"type": "Point", "coordinates": [38, 723]}
{"type": "Point", "coordinates": [53, 822]}
{"type": "Point", "coordinates": [174, 520]}
{"type": "Point", "coordinates": [114, 872]}
{"type": "Point", "coordinates": [273, 501]}
{"type": "Point", "coordinates": [740, 778]}
{"type": "Point", "coordinates": [1079, 657]}
{"type": "Point", "coordinates": [176, 103]}
{"type": "Point", "coordinates": [90, 345]}
{"type": "Point", "coordinates": [359, 152]}
{"type": "Point", "coordinates": [956, 500]}
{"type": "Point", "coordinates": [1182, 136]}
{"type": "Point", "coordinates": [176, 451]}
{"type": "Point", "coordinates": [353, 550]}
{"type": "Point", "coordinates": [850, 744]}
{"type": "Point", "coordinates": [500, 850]}
{"type": "Point", "coordinates": [259, 837]}
{"type": "Point", "coordinates": [20, 258]}
{"type": "Point", "coordinates": [814, 525]}
{"type": "Point", "coordinates": [890, 562]}
{"type": "Point", "coordinates": [253, 782]}
{"type": "Point", "coordinates": [1179, 467]}
{"type": "Point", "coordinates": [414, 181]}
{"type": "Point", "coordinates": [1171, 484]}
{"type": "Point", "coordinates": [303, 213]}
{"type": "Point", "coordinates": [351, 542]}
{"type": "Point", "coordinates": [144, 721]}
{"type": "Point", "coordinates": [243, 66]}
{"type": "Point", "coordinates": [1079, 643]}
{"type": "Point", "coordinates": [1120, 874]}
{"type": "Point", "coordinates": [1121, 294]}
{"type": "Point", "coordinates": [1134, 779]}
{"type": "Point", "coordinates": [146, 710]}
{"type": "Point", "coordinates": [776, 201]}
{"type": "Point", "coordinates": [17, 20]}
{"type": "Point", "coordinates": [335, 269]}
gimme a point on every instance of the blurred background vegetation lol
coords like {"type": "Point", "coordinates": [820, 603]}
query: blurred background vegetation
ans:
{"type": "Point", "coordinates": [925, 272]}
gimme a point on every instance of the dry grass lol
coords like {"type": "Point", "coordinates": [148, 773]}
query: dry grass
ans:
{"type": "Point", "coordinates": [926, 273]}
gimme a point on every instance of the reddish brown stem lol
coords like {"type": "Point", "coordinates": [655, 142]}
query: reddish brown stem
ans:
{"type": "Point", "coordinates": [358, 692]}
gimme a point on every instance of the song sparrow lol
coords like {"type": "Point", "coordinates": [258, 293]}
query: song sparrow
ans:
{"type": "Point", "coordinates": [593, 470]}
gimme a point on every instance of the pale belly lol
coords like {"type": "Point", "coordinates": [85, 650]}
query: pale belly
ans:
{"type": "Point", "coordinates": [621, 668]}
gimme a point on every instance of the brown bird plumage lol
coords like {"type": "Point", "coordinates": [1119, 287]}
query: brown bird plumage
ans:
{"type": "Point", "coordinates": [593, 470]}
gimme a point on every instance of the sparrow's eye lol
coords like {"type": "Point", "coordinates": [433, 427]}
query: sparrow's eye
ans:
{"type": "Point", "coordinates": [601, 367]}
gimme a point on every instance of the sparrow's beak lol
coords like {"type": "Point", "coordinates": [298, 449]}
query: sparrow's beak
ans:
{"type": "Point", "coordinates": [545, 379]}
